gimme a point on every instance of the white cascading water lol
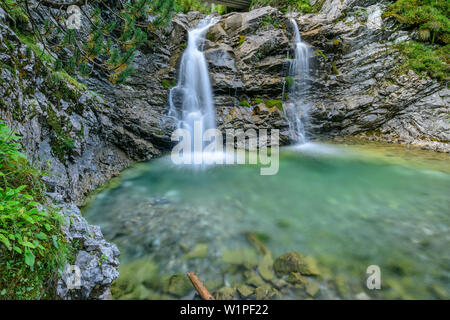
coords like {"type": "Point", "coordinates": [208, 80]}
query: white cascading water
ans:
{"type": "Point", "coordinates": [299, 73]}
{"type": "Point", "coordinates": [191, 100]}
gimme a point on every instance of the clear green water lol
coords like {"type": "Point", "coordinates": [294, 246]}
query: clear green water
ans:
{"type": "Point", "coordinates": [349, 208]}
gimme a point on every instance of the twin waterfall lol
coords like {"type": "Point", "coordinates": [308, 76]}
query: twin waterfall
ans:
{"type": "Point", "coordinates": [191, 100]}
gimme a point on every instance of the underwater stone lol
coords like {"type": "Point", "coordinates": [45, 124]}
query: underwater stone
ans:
{"type": "Point", "coordinates": [255, 280]}
{"type": "Point", "coordinates": [199, 251]}
{"type": "Point", "coordinates": [247, 257]}
{"type": "Point", "coordinates": [296, 278]}
{"type": "Point", "coordinates": [226, 293]}
{"type": "Point", "coordinates": [296, 262]}
{"type": "Point", "coordinates": [265, 268]}
{"type": "Point", "coordinates": [245, 291]}
{"type": "Point", "coordinates": [178, 285]}
{"type": "Point", "coordinates": [263, 291]}
{"type": "Point", "coordinates": [312, 288]}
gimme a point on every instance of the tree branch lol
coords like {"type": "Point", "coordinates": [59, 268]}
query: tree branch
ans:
{"type": "Point", "coordinates": [199, 286]}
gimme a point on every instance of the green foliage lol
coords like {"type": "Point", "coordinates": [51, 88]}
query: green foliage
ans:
{"type": "Point", "coordinates": [257, 101]}
{"type": "Point", "coordinates": [196, 5]}
{"type": "Point", "coordinates": [285, 5]}
{"type": "Point", "coordinates": [424, 60]}
{"type": "Point", "coordinates": [429, 16]}
{"type": "Point", "coordinates": [15, 11]}
{"type": "Point", "coordinates": [270, 21]}
{"type": "Point", "coordinates": [168, 84]}
{"type": "Point", "coordinates": [32, 247]}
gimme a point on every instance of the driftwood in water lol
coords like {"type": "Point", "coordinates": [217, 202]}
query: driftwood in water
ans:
{"type": "Point", "coordinates": [199, 286]}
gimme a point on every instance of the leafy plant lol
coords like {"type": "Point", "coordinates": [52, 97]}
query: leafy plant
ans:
{"type": "Point", "coordinates": [32, 247]}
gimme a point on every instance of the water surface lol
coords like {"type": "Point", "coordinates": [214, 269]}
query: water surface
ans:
{"type": "Point", "coordinates": [349, 206]}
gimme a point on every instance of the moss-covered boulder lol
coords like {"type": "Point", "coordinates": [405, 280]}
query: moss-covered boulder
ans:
{"type": "Point", "coordinates": [177, 285]}
{"type": "Point", "coordinates": [296, 262]}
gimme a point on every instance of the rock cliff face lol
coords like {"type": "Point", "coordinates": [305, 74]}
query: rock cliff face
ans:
{"type": "Point", "coordinates": [88, 133]}
{"type": "Point", "coordinates": [357, 87]}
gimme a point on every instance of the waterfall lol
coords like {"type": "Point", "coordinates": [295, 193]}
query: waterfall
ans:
{"type": "Point", "coordinates": [295, 107]}
{"type": "Point", "coordinates": [191, 100]}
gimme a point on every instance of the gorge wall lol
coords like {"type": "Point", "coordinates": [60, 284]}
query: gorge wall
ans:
{"type": "Point", "coordinates": [84, 131]}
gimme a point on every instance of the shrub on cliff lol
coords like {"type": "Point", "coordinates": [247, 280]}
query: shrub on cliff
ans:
{"type": "Point", "coordinates": [429, 16]}
{"type": "Point", "coordinates": [32, 248]}
{"type": "Point", "coordinates": [115, 31]}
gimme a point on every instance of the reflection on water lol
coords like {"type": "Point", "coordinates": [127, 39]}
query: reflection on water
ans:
{"type": "Point", "coordinates": [347, 206]}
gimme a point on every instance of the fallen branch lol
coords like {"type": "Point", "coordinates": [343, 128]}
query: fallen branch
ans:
{"type": "Point", "coordinates": [199, 286]}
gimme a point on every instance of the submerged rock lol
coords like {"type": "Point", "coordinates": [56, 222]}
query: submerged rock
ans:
{"type": "Point", "coordinates": [177, 285]}
{"type": "Point", "coordinates": [226, 293]}
{"type": "Point", "coordinates": [265, 268]}
{"type": "Point", "coordinates": [245, 291]}
{"type": "Point", "coordinates": [312, 288]}
{"type": "Point", "coordinates": [296, 262]}
{"type": "Point", "coordinates": [199, 251]}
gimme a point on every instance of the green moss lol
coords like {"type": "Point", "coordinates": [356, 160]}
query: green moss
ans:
{"type": "Point", "coordinates": [274, 103]}
{"type": "Point", "coordinates": [257, 101]}
{"type": "Point", "coordinates": [320, 53]}
{"type": "Point", "coordinates": [168, 84]}
{"type": "Point", "coordinates": [425, 60]}
{"type": "Point", "coordinates": [334, 68]}
{"type": "Point", "coordinates": [244, 103]}
{"type": "Point", "coordinates": [289, 81]}
{"type": "Point", "coordinates": [241, 40]}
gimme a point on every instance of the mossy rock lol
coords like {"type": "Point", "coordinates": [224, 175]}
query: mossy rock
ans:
{"type": "Point", "coordinates": [226, 293]}
{"type": "Point", "coordinates": [296, 278]}
{"type": "Point", "coordinates": [133, 275]}
{"type": "Point", "coordinates": [254, 280]}
{"type": "Point", "coordinates": [296, 262]}
{"type": "Point", "coordinates": [244, 103]}
{"type": "Point", "coordinates": [245, 291]}
{"type": "Point", "coordinates": [274, 103]}
{"type": "Point", "coordinates": [199, 251]}
{"type": "Point", "coordinates": [177, 285]}
{"type": "Point", "coordinates": [267, 292]}
{"type": "Point", "coordinates": [265, 268]}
